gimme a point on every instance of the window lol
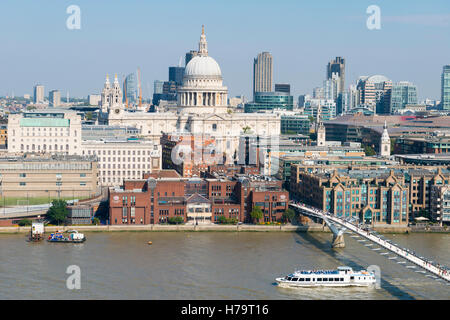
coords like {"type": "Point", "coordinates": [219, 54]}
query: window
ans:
{"type": "Point", "coordinates": [22, 183]}
{"type": "Point", "coordinates": [23, 175]}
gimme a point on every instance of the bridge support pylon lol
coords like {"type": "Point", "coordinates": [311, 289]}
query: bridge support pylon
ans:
{"type": "Point", "coordinates": [338, 241]}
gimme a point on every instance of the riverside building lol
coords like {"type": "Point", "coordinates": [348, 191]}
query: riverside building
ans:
{"type": "Point", "coordinates": [52, 176]}
{"type": "Point", "coordinates": [165, 194]}
{"type": "Point", "coordinates": [353, 190]}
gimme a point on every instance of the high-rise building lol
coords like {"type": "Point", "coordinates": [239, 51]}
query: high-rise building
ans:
{"type": "Point", "coordinates": [130, 88]}
{"type": "Point", "coordinates": [158, 86]}
{"type": "Point", "coordinates": [176, 74]}
{"type": "Point", "coordinates": [270, 101]}
{"type": "Point", "coordinates": [318, 93]}
{"type": "Point", "coordinates": [445, 88]}
{"type": "Point", "coordinates": [262, 73]}
{"type": "Point", "coordinates": [331, 87]}
{"type": "Point", "coordinates": [375, 92]}
{"type": "Point", "coordinates": [283, 87]}
{"type": "Point", "coordinates": [38, 93]}
{"type": "Point", "coordinates": [94, 99]}
{"type": "Point", "coordinates": [402, 94]}
{"type": "Point", "coordinates": [189, 55]}
{"type": "Point", "coordinates": [54, 98]}
{"type": "Point", "coordinates": [337, 66]}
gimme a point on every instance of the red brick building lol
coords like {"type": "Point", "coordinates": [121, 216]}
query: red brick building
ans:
{"type": "Point", "coordinates": [165, 194]}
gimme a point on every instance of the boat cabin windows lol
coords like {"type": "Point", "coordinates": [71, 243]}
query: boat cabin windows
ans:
{"type": "Point", "coordinates": [307, 279]}
{"type": "Point", "coordinates": [336, 279]}
{"type": "Point", "coordinates": [319, 279]}
{"type": "Point", "coordinates": [325, 279]}
{"type": "Point", "coordinates": [352, 278]}
{"type": "Point", "coordinates": [294, 279]}
{"type": "Point", "coordinates": [301, 279]}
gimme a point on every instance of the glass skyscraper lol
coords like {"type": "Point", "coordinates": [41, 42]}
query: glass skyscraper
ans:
{"type": "Point", "coordinates": [130, 88]}
{"type": "Point", "coordinates": [270, 101]}
{"type": "Point", "coordinates": [402, 94]}
{"type": "Point", "coordinates": [445, 88]}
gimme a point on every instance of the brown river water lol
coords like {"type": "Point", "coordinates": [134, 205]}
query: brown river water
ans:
{"type": "Point", "coordinates": [208, 265]}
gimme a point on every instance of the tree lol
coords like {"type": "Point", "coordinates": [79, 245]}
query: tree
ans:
{"type": "Point", "coordinates": [96, 221]}
{"type": "Point", "coordinates": [222, 219]}
{"type": "Point", "coordinates": [24, 222]}
{"type": "Point", "coordinates": [311, 119]}
{"type": "Point", "coordinates": [369, 151]}
{"type": "Point", "coordinates": [89, 115]}
{"type": "Point", "coordinates": [58, 212]}
{"type": "Point", "coordinates": [289, 215]}
{"type": "Point", "coordinates": [256, 213]}
{"type": "Point", "coordinates": [246, 129]}
{"type": "Point", "coordinates": [175, 220]}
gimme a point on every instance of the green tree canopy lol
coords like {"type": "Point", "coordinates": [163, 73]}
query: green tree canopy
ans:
{"type": "Point", "coordinates": [24, 222]}
{"type": "Point", "coordinates": [58, 212]}
{"type": "Point", "coordinates": [289, 215]}
{"type": "Point", "coordinates": [369, 151]}
{"type": "Point", "coordinates": [256, 213]}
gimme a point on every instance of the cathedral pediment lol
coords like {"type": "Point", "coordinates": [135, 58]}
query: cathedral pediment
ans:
{"type": "Point", "coordinates": [215, 117]}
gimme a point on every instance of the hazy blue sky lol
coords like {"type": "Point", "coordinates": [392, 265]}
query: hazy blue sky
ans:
{"type": "Point", "coordinates": [118, 36]}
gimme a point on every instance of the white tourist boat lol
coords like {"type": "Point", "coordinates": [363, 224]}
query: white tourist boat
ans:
{"type": "Point", "coordinates": [342, 277]}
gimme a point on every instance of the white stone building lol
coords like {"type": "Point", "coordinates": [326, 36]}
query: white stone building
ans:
{"type": "Point", "coordinates": [123, 159]}
{"type": "Point", "coordinates": [60, 132]}
{"type": "Point", "coordinates": [202, 108]}
{"type": "Point", "coordinates": [47, 131]}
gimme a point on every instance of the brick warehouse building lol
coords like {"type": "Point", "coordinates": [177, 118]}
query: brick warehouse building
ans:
{"type": "Point", "coordinates": [165, 194]}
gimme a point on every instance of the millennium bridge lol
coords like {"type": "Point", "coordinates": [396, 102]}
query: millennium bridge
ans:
{"type": "Point", "coordinates": [338, 225]}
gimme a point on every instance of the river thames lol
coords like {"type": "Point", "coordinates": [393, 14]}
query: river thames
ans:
{"type": "Point", "coordinates": [208, 265]}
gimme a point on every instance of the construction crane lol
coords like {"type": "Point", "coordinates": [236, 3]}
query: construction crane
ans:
{"type": "Point", "coordinates": [140, 88]}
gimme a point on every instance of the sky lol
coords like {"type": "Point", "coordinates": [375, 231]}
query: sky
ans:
{"type": "Point", "coordinates": [36, 46]}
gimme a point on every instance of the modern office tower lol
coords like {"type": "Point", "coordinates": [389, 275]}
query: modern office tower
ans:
{"type": "Point", "coordinates": [337, 66]}
{"type": "Point", "coordinates": [325, 109]}
{"type": "Point", "coordinates": [262, 73]}
{"type": "Point", "coordinates": [445, 88]}
{"type": "Point", "coordinates": [331, 87]}
{"type": "Point", "coordinates": [283, 87]}
{"type": "Point", "coordinates": [302, 99]}
{"type": "Point", "coordinates": [38, 93]}
{"type": "Point", "coordinates": [189, 56]}
{"type": "Point", "coordinates": [176, 74]}
{"type": "Point", "coordinates": [130, 91]}
{"type": "Point", "coordinates": [318, 93]}
{"type": "Point", "coordinates": [94, 99]}
{"type": "Point", "coordinates": [349, 99]}
{"type": "Point", "coordinates": [375, 93]}
{"type": "Point", "coordinates": [270, 101]}
{"type": "Point", "coordinates": [402, 94]}
{"type": "Point", "coordinates": [54, 98]}
{"type": "Point", "coordinates": [294, 123]}
{"type": "Point", "coordinates": [158, 86]}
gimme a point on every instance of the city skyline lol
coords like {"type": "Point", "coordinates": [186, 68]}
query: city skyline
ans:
{"type": "Point", "coordinates": [301, 46]}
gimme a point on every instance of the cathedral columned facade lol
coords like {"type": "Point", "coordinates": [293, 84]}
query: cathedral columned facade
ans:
{"type": "Point", "coordinates": [202, 108]}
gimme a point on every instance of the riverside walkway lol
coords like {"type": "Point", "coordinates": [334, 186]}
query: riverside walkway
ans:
{"type": "Point", "coordinates": [434, 268]}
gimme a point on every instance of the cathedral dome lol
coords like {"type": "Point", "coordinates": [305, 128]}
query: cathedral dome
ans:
{"type": "Point", "coordinates": [202, 66]}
